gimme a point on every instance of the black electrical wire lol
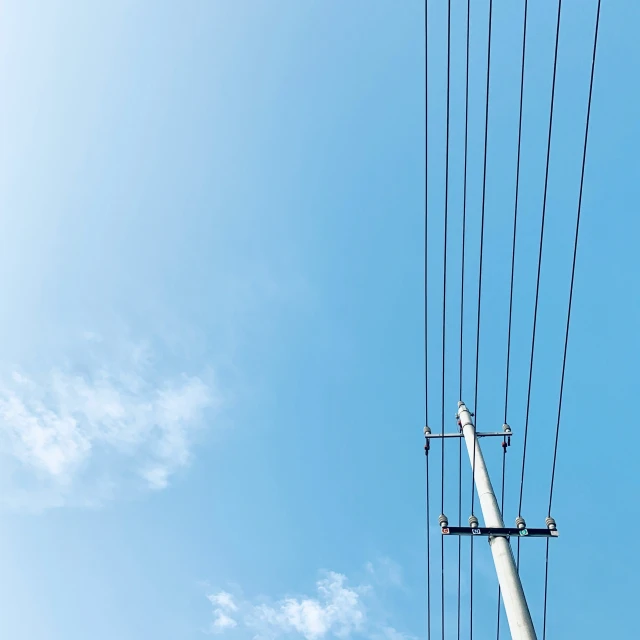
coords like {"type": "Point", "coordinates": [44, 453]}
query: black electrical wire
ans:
{"type": "Point", "coordinates": [535, 310]}
{"type": "Point", "coordinates": [426, 282]}
{"type": "Point", "coordinates": [446, 216]}
{"type": "Point", "coordinates": [513, 264]}
{"type": "Point", "coordinates": [464, 196]}
{"type": "Point", "coordinates": [444, 290]}
{"type": "Point", "coordinates": [566, 335]}
{"type": "Point", "coordinates": [546, 585]}
{"type": "Point", "coordinates": [515, 211]}
{"type": "Point", "coordinates": [426, 227]}
{"type": "Point", "coordinates": [504, 465]}
{"type": "Point", "coordinates": [426, 452]}
{"type": "Point", "coordinates": [459, 537]}
{"type": "Point", "coordinates": [484, 191]}
{"type": "Point", "coordinates": [575, 253]}
{"type": "Point", "coordinates": [471, 590]}
{"type": "Point", "coordinates": [464, 230]}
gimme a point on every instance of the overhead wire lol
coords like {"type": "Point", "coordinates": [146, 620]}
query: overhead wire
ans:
{"type": "Point", "coordinates": [504, 463]}
{"type": "Point", "coordinates": [511, 293]}
{"type": "Point", "coordinates": [515, 212]}
{"type": "Point", "coordinates": [426, 452]}
{"type": "Point", "coordinates": [566, 336]}
{"type": "Point", "coordinates": [484, 191]}
{"type": "Point", "coordinates": [575, 253]}
{"type": "Point", "coordinates": [546, 584]}
{"type": "Point", "coordinates": [464, 233]}
{"type": "Point", "coordinates": [513, 265]}
{"type": "Point", "coordinates": [535, 310]}
{"type": "Point", "coordinates": [444, 294]}
{"type": "Point", "coordinates": [426, 298]}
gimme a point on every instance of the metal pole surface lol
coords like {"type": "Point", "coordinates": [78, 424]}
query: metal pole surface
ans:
{"type": "Point", "coordinates": [515, 603]}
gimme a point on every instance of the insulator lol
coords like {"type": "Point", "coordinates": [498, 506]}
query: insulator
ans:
{"type": "Point", "coordinates": [427, 431]}
{"type": "Point", "coordinates": [520, 523]}
{"type": "Point", "coordinates": [551, 523]}
{"type": "Point", "coordinates": [444, 521]}
{"type": "Point", "coordinates": [506, 428]}
{"type": "Point", "coordinates": [473, 522]}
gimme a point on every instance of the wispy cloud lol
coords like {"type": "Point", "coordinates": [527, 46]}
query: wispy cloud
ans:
{"type": "Point", "coordinates": [337, 609]}
{"type": "Point", "coordinates": [224, 606]}
{"type": "Point", "coordinates": [96, 426]}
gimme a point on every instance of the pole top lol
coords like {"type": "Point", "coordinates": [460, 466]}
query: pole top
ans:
{"type": "Point", "coordinates": [460, 403]}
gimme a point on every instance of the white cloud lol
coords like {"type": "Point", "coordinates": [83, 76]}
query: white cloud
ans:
{"type": "Point", "coordinates": [71, 429]}
{"type": "Point", "coordinates": [222, 621]}
{"type": "Point", "coordinates": [224, 605]}
{"type": "Point", "coordinates": [224, 600]}
{"type": "Point", "coordinates": [336, 610]}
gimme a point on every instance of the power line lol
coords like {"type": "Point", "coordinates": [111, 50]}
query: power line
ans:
{"type": "Point", "coordinates": [444, 284]}
{"type": "Point", "coordinates": [546, 589]}
{"type": "Point", "coordinates": [426, 226]}
{"type": "Point", "coordinates": [515, 211]}
{"type": "Point", "coordinates": [504, 465]}
{"type": "Point", "coordinates": [513, 264]}
{"type": "Point", "coordinates": [575, 253]}
{"type": "Point", "coordinates": [471, 590]}
{"type": "Point", "coordinates": [459, 538]}
{"type": "Point", "coordinates": [544, 209]}
{"type": "Point", "coordinates": [446, 216]}
{"type": "Point", "coordinates": [464, 231]}
{"type": "Point", "coordinates": [426, 452]}
{"type": "Point", "coordinates": [566, 335]}
{"type": "Point", "coordinates": [426, 287]}
{"type": "Point", "coordinates": [484, 191]}
{"type": "Point", "coordinates": [464, 197]}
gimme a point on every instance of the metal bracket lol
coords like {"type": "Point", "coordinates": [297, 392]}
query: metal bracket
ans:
{"type": "Point", "coordinates": [501, 434]}
{"type": "Point", "coordinates": [502, 533]}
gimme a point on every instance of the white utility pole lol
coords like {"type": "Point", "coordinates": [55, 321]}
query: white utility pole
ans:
{"type": "Point", "coordinates": [515, 603]}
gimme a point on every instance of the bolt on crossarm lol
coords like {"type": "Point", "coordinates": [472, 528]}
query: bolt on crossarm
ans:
{"type": "Point", "coordinates": [515, 603]}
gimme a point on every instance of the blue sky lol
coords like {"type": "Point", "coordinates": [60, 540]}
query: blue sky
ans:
{"type": "Point", "coordinates": [211, 382]}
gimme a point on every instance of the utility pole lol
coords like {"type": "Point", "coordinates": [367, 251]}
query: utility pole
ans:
{"type": "Point", "coordinates": [515, 603]}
